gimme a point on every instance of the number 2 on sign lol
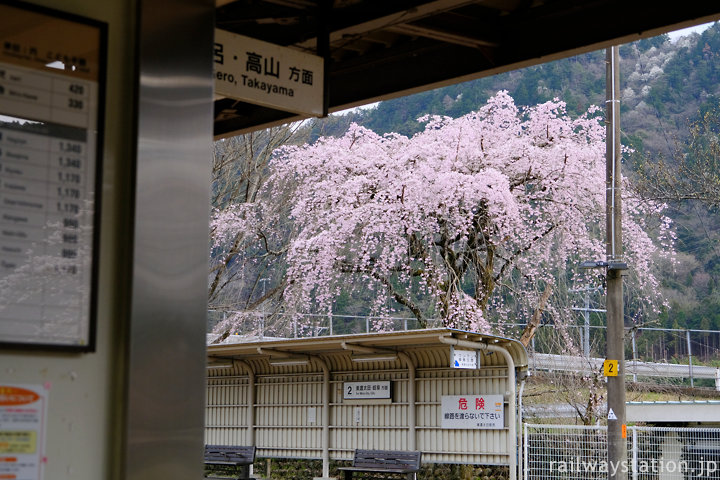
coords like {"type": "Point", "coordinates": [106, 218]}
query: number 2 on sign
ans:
{"type": "Point", "coordinates": [610, 368]}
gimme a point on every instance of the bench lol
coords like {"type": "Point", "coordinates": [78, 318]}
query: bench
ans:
{"type": "Point", "coordinates": [384, 461]}
{"type": "Point", "coordinates": [230, 456]}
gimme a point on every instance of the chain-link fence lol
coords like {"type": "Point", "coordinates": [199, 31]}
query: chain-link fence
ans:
{"type": "Point", "coordinates": [567, 452]}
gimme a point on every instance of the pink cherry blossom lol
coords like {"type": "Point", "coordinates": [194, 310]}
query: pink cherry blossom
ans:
{"type": "Point", "coordinates": [464, 222]}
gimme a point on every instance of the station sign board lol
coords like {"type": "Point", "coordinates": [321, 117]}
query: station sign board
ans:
{"type": "Point", "coordinates": [366, 390]}
{"type": "Point", "coordinates": [266, 74]}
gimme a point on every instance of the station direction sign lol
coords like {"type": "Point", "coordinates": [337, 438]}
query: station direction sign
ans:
{"type": "Point", "coordinates": [367, 390]}
{"type": "Point", "coordinates": [266, 74]}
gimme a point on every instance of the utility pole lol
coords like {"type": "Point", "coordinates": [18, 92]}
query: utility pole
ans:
{"type": "Point", "coordinates": [617, 431]}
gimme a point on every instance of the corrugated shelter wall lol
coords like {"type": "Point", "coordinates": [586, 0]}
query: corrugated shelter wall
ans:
{"type": "Point", "coordinates": [227, 408]}
{"type": "Point", "coordinates": [226, 411]}
{"type": "Point", "coordinates": [469, 446]}
{"type": "Point", "coordinates": [368, 424]}
{"type": "Point", "coordinates": [289, 404]}
{"type": "Point", "coordinates": [289, 415]}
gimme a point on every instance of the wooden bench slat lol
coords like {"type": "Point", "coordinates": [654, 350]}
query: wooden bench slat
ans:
{"type": "Point", "coordinates": [384, 461]}
{"type": "Point", "coordinates": [230, 455]}
{"type": "Point", "coordinates": [380, 470]}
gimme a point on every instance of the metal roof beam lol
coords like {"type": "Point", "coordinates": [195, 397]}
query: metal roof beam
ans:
{"type": "Point", "coordinates": [447, 37]}
{"type": "Point", "coordinates": [363, 349]}
{"type": "Point", "coordinates": [382, 23]}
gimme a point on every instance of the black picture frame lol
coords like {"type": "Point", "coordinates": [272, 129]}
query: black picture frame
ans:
{"type": "Point", "coordinates": [65, 22]}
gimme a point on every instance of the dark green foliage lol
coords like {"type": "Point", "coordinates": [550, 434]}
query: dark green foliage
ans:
{"type": "Point", "coordinates": [689, 76]}
{"type": "Point", "coordinates": [645, 44]}
{"type": "Point", "coordinates": [290, 469]}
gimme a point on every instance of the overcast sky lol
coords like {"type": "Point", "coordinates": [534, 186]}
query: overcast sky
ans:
{"type": "Point", "coordinates": [688, 31]}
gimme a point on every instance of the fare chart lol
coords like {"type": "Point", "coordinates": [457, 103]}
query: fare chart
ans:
{"type": "Point", "coordinates": [51, 76]}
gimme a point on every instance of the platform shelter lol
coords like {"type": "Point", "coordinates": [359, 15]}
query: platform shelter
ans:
{"type": "Point", "coordinates": [448, 393]}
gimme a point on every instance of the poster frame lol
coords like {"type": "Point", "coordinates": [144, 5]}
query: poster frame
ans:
{"type": "Point", "coordinates": [91, 306]}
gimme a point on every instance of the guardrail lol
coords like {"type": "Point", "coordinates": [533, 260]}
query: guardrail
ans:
{"type": "Point", "coordinates": [569, 363]}
{"type": "Point", "coordinates": [313, 325]}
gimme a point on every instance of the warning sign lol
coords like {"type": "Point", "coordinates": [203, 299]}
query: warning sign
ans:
{"type": "Point", "coordinates": [472, 412]}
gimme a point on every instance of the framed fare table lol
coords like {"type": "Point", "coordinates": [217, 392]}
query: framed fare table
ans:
{"type": "Point", "coordinates": [52, 76]}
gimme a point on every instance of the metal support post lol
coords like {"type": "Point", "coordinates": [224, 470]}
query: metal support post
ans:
{"type": "Point", "coordinates": [690, 362]}
{"type": "Point", "coordinates": [262, 320]}
{"type": "Point", "coordinates": [586, 315]}
{"type": "Point", "coordinates": [634, 453]}
{"type": "Point", "coordinates": [634, 350]}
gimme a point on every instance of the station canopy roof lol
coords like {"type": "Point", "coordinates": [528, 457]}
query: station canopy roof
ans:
{"type": "Point", "coordinates": [376, 50]}
{"type": "Point", "coordinates": [425, 347]}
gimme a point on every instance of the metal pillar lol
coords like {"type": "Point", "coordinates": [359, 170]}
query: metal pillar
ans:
{"type": "Point", "coordinates": [634, 358]}
{"type": "Point", "coordinates": [166, 373]}
{"type": "Point", "coordinates": [690, 361]}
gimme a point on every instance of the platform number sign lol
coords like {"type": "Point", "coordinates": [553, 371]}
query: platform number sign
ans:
{"type": "Point", "coordinates": [610, 368]}
{"type": "Point", "coordinates": [366, 390]}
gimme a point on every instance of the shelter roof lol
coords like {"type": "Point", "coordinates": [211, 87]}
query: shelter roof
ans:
{"type": "Point", "coordinates": [426, 347]}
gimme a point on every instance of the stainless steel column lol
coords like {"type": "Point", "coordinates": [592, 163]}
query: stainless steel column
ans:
{"type": "Point", "coordinates": [166, 371]}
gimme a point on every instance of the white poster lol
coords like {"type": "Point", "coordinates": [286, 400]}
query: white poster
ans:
{"type": "Point", "coordinates": [472, 412]}
{"type": "Point", "coordinates": [23, 414]}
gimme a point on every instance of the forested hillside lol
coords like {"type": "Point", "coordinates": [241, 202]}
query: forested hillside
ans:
{"type": "Point", "coordinates": [665, 85]}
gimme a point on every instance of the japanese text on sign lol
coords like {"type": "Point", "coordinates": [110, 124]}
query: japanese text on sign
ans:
{"type": "Point", "coordinates": [472, 412]}
{"type": "Point", "coordinates": [464, 358]}
{"type": "Point", "coordinates": [366, 390]}
{"type": "Point", "coordinates": [266, 74]}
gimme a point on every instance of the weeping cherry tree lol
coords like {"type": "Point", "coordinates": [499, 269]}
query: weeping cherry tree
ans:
{"type": "Point", "coordinates": [468, 222]}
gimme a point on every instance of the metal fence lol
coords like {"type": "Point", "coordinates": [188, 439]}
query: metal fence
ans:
{"type": "Point", "coordinates": [545, 352]}
{"type": "Point", "coordinates": [568, 452]}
